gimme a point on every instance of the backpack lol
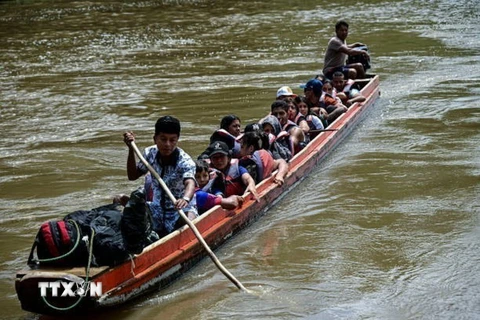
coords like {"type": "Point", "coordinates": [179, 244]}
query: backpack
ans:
{"type": "Point", "coordinates": [365, 61]}
{"type": "Point", "coordinates": [66, 242]}
{"type": "Point", "coordinates": [59, 243]}
{"type": "Point", "coordinates": [113, 235]}
{"type": "Point", "coordinates": [136, 224]}
{"type": "Point", "coordinates": [251, 166]}
{"type": "Point", "coordinates": [280, 151]}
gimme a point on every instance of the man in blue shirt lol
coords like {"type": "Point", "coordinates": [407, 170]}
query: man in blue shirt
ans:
{"type": "Point", "coordinates": [174, 166]}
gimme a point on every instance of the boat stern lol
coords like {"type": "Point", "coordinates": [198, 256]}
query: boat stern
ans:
{"type": "Point", "coordinates": [54, 293]}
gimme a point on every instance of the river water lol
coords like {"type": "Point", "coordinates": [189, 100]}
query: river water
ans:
{"type": "Point", "coordinates": [387, 227]}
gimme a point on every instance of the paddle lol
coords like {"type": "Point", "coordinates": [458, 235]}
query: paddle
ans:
{"type": "Point", "coordinates": [321, 130]}
{"type": "Point", "coordinates": [190, 224]}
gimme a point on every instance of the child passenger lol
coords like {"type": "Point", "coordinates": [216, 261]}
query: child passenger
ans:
{"type": "Point", "coordinates": [236, 178]}
{"type": "Point", "coordinates": [329, 95]}
{"type": "Point", "coordinates": [207, 182]}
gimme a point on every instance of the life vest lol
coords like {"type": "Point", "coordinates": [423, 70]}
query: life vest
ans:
{"type": "Point", "coordinates": [287, 126]}
{"type": "Point", "coordinates": [327, 100]}
{"type": "Point", "coordinates": [265, 163]}
{"type": "Point", "coordinates": [260, 164]}
{"type": "Point", "coordinates": [233, 180]}
{"type": "Point", "coordinates": [299, 117]}
{"type": "Point", "coordinates": [348, 86]}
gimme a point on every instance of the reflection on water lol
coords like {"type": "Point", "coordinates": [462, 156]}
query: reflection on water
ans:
{"type": "Point", "coordinates": [384, 228]}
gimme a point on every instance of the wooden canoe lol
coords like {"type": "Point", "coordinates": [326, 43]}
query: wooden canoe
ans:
{"type": "Point", "coordinates": [163, 261]}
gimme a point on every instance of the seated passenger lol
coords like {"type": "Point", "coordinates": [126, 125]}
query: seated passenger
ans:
{"type": "Point", "coordinates": [338, 51]}
{"type": "Point", "coordinates": [314, 122]}
{"type": "Point", "coordinates": [345, 90]}
{"type": "Point", "coordinates": [296, 117]}
{"type": "Point", "coordinates": [279, 109]}
{"type": "Point", "coordinates": [260, 161]}
{"type": "Point", "coordinates": [330, 102]}
{"type": "Point", "coordinates": [280, 144]}
{"type": "Point", "coordinates": [329, 95]}
{"type": "Point", "coordinates": [237, 180]}
{"type": "Point", "coordinates": [269, 142]}
{"type": "Point", "coordinates": [285, 92]}
{"type": "Point", "coordinates": [205, 200]}
{"type": "Point", "coordinates": [228, 132]}
{"type": "Point", "coordinates": [313, 91]}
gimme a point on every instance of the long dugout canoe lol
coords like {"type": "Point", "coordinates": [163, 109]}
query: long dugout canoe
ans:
{"type": "Point", "coordinates": [165, 260]}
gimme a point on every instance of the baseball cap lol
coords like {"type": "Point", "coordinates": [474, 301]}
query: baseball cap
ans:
{"type": "Point", "coordinates": [219, 147]}
{"type": "Point", "coordinates": [315, 85]}
{"type": "Point", "coordinates": [285, 91]}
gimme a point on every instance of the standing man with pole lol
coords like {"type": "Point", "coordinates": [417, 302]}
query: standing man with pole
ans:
{"type": "Point", "coordinates": [175, 167]}
{"type": "Point", "coordinates": [174, 173]}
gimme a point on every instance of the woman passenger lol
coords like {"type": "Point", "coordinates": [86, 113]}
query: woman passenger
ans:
{"type": "Point", "coordinates": [295, 116]}
{"type": "Point", "coordinates": [231, 124]}
{"type": "Point", "coordinates": [228, 132]}
{"type": "Point", "coordinates": [257, 158]}
{"type": "Point", "coordinates": [313, 121]}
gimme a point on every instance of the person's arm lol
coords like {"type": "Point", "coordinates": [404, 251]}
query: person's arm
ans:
{"type": "Point", "coordinates": [132, 171]}
{"type": "Point", "coordinates": [187, 194]}
{"type": "Point", "coordinates": [304, 126]}
{"type": "Point", "coordinates": [352, 51]}
{"type": "Point", "coordinates": [232, 202]}
{"type": "Point", "coordinates": [356, 98]}
{"type": "Point", "coordinates": [282, 167]}
{"type": "Point", "coordinates": [356, 44]}
{"type": "Point", "coordinates": [206, 201]}
{"type": "Point", "coordinates": [322, 114]}
{"type": "Point", "coordinates": [250, 183]}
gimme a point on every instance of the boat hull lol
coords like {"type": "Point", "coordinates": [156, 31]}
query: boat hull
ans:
{"type": "Point", "coordinates": [163, 261]}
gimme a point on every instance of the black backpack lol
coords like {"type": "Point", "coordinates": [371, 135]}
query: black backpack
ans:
{"type": "Point", "coordinates": [251, 166]}
{"type": "Point", "coordinates": [137, 225]}
{"type": "Point", "coordinates": [365, 61]}
{"type": "Point", "coordinates": [102, 224]}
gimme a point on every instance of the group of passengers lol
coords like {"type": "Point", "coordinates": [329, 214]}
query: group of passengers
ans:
{"type": "Point", "coordinates": [235, 162]}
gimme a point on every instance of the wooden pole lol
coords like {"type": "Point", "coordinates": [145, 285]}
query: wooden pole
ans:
{"type": "Point", "coordinates": [190, 224]}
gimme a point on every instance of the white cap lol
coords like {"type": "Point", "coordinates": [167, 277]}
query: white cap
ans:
{"type": "Point", "coordinates": [285, 91]}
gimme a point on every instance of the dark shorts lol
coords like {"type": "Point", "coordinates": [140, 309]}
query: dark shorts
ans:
{"type": "Point", "coordinates": [344, 69]}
